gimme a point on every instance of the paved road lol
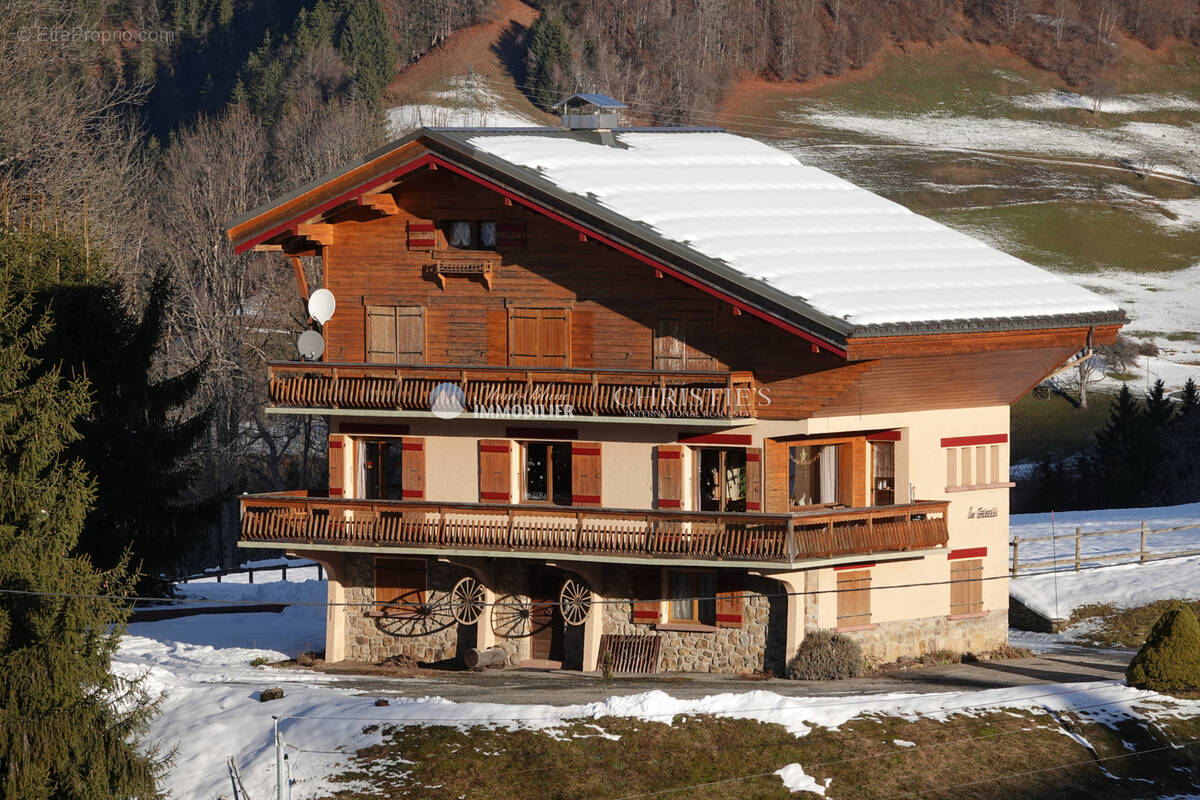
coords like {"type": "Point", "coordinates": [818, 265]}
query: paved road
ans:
{"type": "Point", "coordinates": [1065, 664]}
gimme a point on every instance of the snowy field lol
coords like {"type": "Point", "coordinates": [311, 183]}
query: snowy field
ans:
{"type": "Point", "coordinates": [1057, 595]}
{"type": "Point", "coordinates": [467, 103]}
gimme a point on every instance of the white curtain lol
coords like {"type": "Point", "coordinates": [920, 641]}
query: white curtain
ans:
{"type": "Point", "coordinates": [828, 462]}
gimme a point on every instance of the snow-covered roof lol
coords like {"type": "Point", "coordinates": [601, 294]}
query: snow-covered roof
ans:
{"type": "Point", "coordinates": [845, 251]}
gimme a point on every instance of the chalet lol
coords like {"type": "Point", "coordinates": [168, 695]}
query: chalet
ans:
{"type": "Point", "coordinates": [667, 392]}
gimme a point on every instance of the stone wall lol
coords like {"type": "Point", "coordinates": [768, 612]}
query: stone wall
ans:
{"type": "Point", "coordinates": [889, 641]}
{"type": "Point", "coordinates": [427, 638]}
{"type": "Point", "coordinates": [758, 644]}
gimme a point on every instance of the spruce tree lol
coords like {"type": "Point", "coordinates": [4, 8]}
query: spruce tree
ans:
{"type": "Point", "coordinates": [1189, 399]}
{"type": "Point", "coordinates": [548, 61]}
{"type": "Point", "coordinates": [1124, 461]}
{"type": "Point", "coordinates": [365, 44]}
{"type": "Point", "coordinates": [1159, 406]}
{"type": "Point", "coordinates": [68, 727]}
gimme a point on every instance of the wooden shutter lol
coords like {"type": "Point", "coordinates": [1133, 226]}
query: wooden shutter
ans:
{"type": "Point", "coordinates": [585, 473]}
{"type": "Point", "coordinates": [410, 335]}
{"type": "Point", "coordinates": [554, 347]}
{"type": "Point", "coordinates": [966, 586]}
{"type": "Point", "coordinates": [670, 351]}
{"type": "Point", "coordinates": [510, 234]}
{"type": "Point", "coordinates": [854, 598]}
{"type": "Point", "coordinates": [412, 466]}
{"type": "Point", "coordinates": [731, 600]}
{"type": "Point", "coordinates": [647, 596]}
{"type": "Point", "coordinates": [422, 234]}
{"type": "Point", "coordinates": [381, 335]}
{"type": "Point", "coordinates": [754, 479]}
{"type": "Point", "coordinates": [338, 448]}
{"type": "Point", "coordinates": [400, 581]}
{"type": "Point", "coordinates": [524, 337]}
{"type": "Point", "coordinates": [495, 470]}
{"type": "Point", "coordinates": [698, 338]}
{"type": "Point", "coordinates": [670, 476]}
{"type": "Point", "coordinates": [847, 488]}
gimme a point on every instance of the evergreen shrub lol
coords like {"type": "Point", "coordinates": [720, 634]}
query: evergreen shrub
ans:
{"type": "Point", "coordinates": [826, 656]}
{"type": "Point", "coordinates": [1169, 661]}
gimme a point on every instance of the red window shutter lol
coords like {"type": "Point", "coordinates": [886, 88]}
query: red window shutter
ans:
{"type": "Point", "coordinates": [412, 462]}
{"type": "Point", "coordinates": [647, 596]}
{"type": "Point", "coordinates": [731, 600]}
{"type": "Point", "coordinates": [510, 234]}
{"type": "Point", "coordinates": [495, 470]}
{"type": "Point", "coordinates": [585, 473]}
{"type": "Point", "coordinates": [422, 234]}
{"type": "Point", "coordinates": [338, 452]}
{"type": "Point", "coordinates": [754, 479]}
{"type": "Point", "coordinates": [670, 476]}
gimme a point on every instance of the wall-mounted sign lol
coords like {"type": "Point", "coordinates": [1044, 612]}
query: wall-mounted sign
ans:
{"type": "Point", "coordinates": [982, 512]}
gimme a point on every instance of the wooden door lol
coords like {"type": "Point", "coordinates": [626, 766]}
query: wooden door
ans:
{"type": "Point", "coordinates": [546, 624]}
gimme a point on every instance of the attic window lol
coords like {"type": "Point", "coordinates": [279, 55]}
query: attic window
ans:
{"type": "Point", "coordinates": [464, 234]}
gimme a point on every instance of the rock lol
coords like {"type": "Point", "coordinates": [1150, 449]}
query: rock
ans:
{"type": "Point", "coordinates": [267, 695]}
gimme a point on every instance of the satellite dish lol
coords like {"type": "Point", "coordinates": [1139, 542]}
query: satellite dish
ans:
{"type": "Point", "coordinates": [321, 305]}
{"type": "Point", "coordinates": [311, 345]}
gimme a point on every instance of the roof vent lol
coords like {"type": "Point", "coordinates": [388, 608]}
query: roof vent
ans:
{"type": "Point", "coordinates": [591, 112]}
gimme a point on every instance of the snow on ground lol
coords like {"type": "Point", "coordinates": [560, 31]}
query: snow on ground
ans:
{"type": "Point", "coordinates": [1121, 104]}
{"type": "Point", "coordinates": [467, 103]}
{"type": "Point", "coordinates": [1124, 585]}
{"type": "Point", "coordinates": [795, 779]}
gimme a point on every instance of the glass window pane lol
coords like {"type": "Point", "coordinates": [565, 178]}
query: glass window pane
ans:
{"type": "Point", "coordinates": [706, 592]}
{"type": "Point", "coordinates": [680, 585]}
{"type": "Point", "coordinates": [392, 469]}
{"type": "Point", "coordinates": [801, 475]}
{"type": "Point", "coordinates": [735, 480]}
{"type": "Point", "coordinates": [536, 472]}
{"type": "Point", "coordinates": [487, 235]}
{"type": "Point", "coordinates": [458, 233]}
{"type": "Point", "coordinates": [827, 462]}
{"type": "Point", "coordinates": [561, 470]}
{"type": "Point", "coordinates": [370, 469]}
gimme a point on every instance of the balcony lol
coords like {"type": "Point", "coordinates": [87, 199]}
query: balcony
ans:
{"type": "Point", "coordinates": [514, 391]}
{"type": "Point", "coordinates": [771, 540]}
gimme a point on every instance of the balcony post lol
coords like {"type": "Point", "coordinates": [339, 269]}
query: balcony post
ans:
{"type": "Point", "coordinates": [578, 531]}
{"type": "Point", "coordinates": [508, 531]}
{"type": "Point", "coordinates": [791, 540]}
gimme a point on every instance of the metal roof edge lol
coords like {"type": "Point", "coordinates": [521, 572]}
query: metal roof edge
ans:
{"type": "Point", "coordinates": [990, 325]}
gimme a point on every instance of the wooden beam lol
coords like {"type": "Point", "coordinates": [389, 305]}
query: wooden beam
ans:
{"type": "Point", "coordinates": [301, 280]}
{"type": "Point", "coordinates": [383, 202]}
{"type": "Point", "coordinates": [320, 233]}
{"type": "Point", "coordinates": [269, 248]}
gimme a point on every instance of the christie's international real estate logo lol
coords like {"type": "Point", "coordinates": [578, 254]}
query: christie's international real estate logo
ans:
{"type": "Point", "coordinates": [446, 401]}
{"type": "Point", "coordinates": [691, 400]}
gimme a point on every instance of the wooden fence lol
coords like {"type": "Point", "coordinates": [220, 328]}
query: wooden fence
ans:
{"type": "Point", "coordinates": [1141, 555]}
{"type": "Point", "coordinates": [250, 571]}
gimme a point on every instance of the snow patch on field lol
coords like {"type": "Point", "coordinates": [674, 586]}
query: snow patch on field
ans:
{"type": "Point", "coordinates": [1122, 104]}
{"type": "Point", "coordinates": [464, 104]}
{"type": "Point", "coordinates": [796, 780]}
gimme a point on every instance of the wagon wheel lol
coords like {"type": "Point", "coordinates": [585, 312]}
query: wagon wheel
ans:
{"type": "Point", "coordinates": [575, 600]}
{"type": "Point", "coordinates": [467, 600]}
{"type": "Point", "coordinates": [418, 620]}
{"type": "Point", "coordinates": [511, 618]}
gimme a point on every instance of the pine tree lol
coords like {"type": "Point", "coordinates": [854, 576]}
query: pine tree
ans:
{"type": "Point", "coordinates": [134, 440]}
{"type": "Point", "coordinates": [548, 61]}
{"type": "Point", "coordinates": [1159, 406]}
{"type": "Point", "coordinates": [1124, 461]}
{"type": "Point", "coordinates": [365, 44]}
{"type": "Point", "coordinates": [68, 727]}
{"type": "Point", "coordinates": [1189, 399]}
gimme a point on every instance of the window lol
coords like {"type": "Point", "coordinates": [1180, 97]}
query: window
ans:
{"type": "Point", "coordinates": [395, 335]}
{"type": "Point", "coordinates": [721, 480]}
{"type": "Point", "coordinates": [853, 598]}
{"type": "Point", "coordinates": [466, 234]}
{"type": "Point", "coordinates": [692, 597]}
{"type": "Point", "coordinates": [392, 468]}
{"type": "Point", "coordinates": [400, 586]}
{"type": "Point", "coordinates": [547, 473]}
{"type": "Point", "coordinates": [683, 341]}
{"type": "Point", "coordinates": [814, 474]}
{"type": "Point", "coordinates": [883, 477]}
{"type": "Point", "coordinates": [966, 586]}
{"type": "Point", "coordinates": [538, 337]}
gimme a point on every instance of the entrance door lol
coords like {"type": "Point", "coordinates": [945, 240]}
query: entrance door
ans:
{"type": "Point", "coordinates": [546, 623]}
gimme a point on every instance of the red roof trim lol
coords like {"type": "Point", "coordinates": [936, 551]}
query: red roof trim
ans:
{"type": "Point", "coordinates": [967, 441]}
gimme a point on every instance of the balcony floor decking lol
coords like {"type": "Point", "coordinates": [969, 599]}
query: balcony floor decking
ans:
{"type": "Point", "coordinates": [778, 540]}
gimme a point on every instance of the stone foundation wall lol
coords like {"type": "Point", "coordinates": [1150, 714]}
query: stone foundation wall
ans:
{"type": "Point", "coordinates": [428, 638]}
{"type": "Point", "coordinates": [758, 644]}
{"type": "Point", "coordinates": [915, 637]}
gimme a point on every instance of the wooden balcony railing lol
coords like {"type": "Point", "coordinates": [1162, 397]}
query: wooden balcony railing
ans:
{"type": "Point", "coordinates": [516, 391]}
{"type": "Point", "coordinates": [780, 538]}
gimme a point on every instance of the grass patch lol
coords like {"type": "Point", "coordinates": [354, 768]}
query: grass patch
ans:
{"type": "Point", "coordinates": [1120, 627]}
{"type": "Point", "coordinates": [726, 758]}
{"type": "Point", "coordinates": [1052, 427]}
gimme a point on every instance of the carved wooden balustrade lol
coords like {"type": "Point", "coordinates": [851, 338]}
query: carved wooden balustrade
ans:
{"type": "Point", "coordinates": [780, 538]}
{"type": "Point", "coordinates": [516, 391]}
